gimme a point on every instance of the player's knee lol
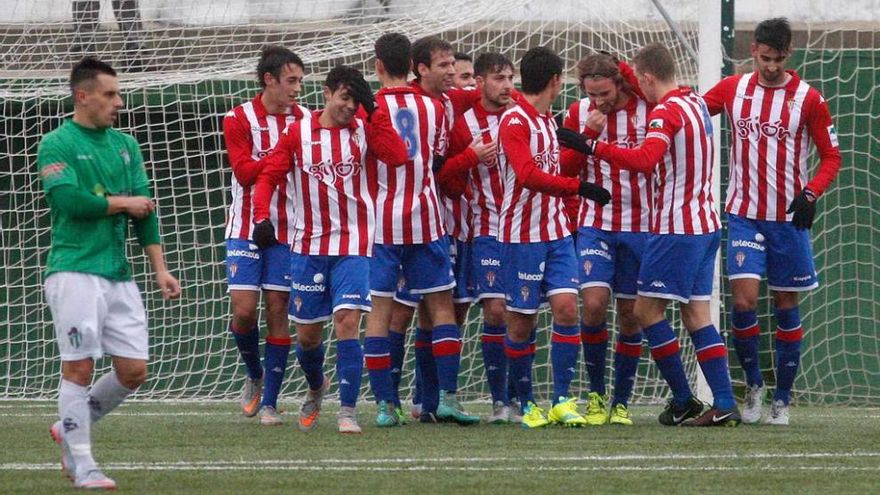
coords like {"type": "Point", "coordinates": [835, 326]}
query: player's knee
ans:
{"type": "Point", "coordinates": [244, 318]}
{"type": "Point", "coordinates": [785, 300]}
{"type": "Point", "coordinates": [493, 312]}
{"type": "Point", "coordinates": [594, 311]}
{"type": "Point", "coordinates": [133, 375]}
{"type": "Point", "coordinates": [629, 324]}
{"type": "Point", "coordinates": [743, 303]}
{"type": "Point", "coordinates": [566, 314]}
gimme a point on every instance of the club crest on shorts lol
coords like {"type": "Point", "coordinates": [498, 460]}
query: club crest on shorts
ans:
{"type": "Point", "coordinates": [233, 269]}
{"type": "Point", "coordinates": [524, 292]}
{"type": "Point", "coordinates": [588, 266]}
{"type": "Point", "coordinates": [490, 278]}
{"type": "Point", "coordinates": [740, 258]}
{"type": "Point", "coordinates": [297, 303]}
{"type": "Point", "coordinates": [401, 283]}
{"type": "Point", "coordinates": [75, 337]}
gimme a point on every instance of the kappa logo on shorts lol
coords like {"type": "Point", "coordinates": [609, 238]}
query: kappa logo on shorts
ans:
{"type": "Point", "coordinates": [740, 258]}
{"type": "Point", "coordinates": [524, 292]}
{"type": "Point", "coordinates": [490, 278]}
{"type": "Point", "coordinates": [588, 267]}
{"type": "Point", "coordinates": [658, 284]}
{"type": "Point", "coordinates": [75, 337]}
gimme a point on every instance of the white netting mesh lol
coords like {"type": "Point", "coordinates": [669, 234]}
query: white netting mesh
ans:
{"type": "Point", "coordinates": [186, 63]}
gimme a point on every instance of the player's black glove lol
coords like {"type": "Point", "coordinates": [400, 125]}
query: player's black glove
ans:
{"type": "Point", "coordinates": [264, 234]}
{"type": "Point", "coordinates": [438, 163]}
{"type": "Point", "coordinates": [597, 193]}
{"type": "Point", "coordinates": [804, 208]}
{"type": "Point", "coordinates": [575, 140]}
{"type": "Point", "coordinates": [360, 90]}
{"type": "Point", "coordinates": [560, 119]}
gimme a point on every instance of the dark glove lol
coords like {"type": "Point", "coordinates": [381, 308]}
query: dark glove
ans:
{"type": "Point", "coordinates": [560, 119]}
{"type": "Point", "coordinates": [438, 163]}
{"type": "Point", "coordinates": [360, 90]}
{"type": "Point", "coordinates": [598, 194]}
{"type": "Point", "coordinates": [575, 140]}
{"type": "Point", "coordinates": [264, 234]}
{"type": "Point", "coordinates": [804, 208]}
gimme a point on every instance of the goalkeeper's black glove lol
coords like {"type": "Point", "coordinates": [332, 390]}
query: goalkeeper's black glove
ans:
{"type": "Point", "coordinates": [360, 90]}
{"type": "Point", "coordinates": [264, 234]}
{"type": "Point", "coordinates": [438, 163]}
{"type": "Point", "coordinates": [598, 194]}
{"type": "Point", "coordinates": [575, 140]}
{"type": "Point", "coordinates": [804, 208]}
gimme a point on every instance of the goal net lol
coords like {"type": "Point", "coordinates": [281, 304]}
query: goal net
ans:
{"type": "Point", "coordinates": [184, 64]}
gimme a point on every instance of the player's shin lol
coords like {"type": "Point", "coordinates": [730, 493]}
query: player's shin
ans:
{"type": "Point", "coordinates": [712, 356]}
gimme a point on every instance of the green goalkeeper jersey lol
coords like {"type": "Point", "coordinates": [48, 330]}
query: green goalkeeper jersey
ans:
{"type": "Point", "coordinates": [100, 162]}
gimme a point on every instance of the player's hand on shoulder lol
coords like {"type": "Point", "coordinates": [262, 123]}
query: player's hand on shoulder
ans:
{"type": "Point", "coordinates": [596, 120]}
{"type": "Point", "coordinates": [803, 206]}
{"type": "Point", "coordinates": [264, 234]}
{"type": "Point", "coordinates": [169, 285]}
{"type": "Point", "coordinates": [485, 151]}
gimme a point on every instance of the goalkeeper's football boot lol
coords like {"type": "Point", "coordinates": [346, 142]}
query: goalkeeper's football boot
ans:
{"type": "Point", "coordinates": [778, 414]}
{"type": "Point", "coordinates": [311, 408]}
{"type": "Point", "coordinates": [450, 410]}
{"type": "Point", "coordinates": [753, 407]}
{"type": "Point", "coordinates": [619, 415]}
{"type": "Point", "coordinates": [716, 417]}
{"type": "Point", "coordinates": [597, 409]}
{"type": "Point", "coordinates": [347, 421]}
{"type": "Point", "coordinates": [533, 417]}
{"type": "Point", "coordinates": [673, 416]}
{"type": "Point", "coordinates": [269, 416]}
{"type": "Point", "coordinates": [565, 413]}
{"type": "Point", "coordinates": [94, 480]}
{"type": "Point", "coordinates": [386, 417]}
{"type": "Point", "coordinates": [251, 395]}
{"type": "Point", "coordinates": [500, 414]}
{"type": "Point", "coordinates": [68, 467]}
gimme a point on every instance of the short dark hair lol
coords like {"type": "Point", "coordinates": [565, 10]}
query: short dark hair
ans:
{"type": "Point", "coordinates": [775, 33]}
{"type": "Point", "coordinates": [491, 62]}
{"type": "Point", "coordinates": [87, 70]}
{"type": "Point", "coordinates": [394, 50]}
{"type": "Point", "coordinates": [342, 75]}
{"type": "Point", "coordinates": [462, 56]}
{"type": "Point", "coordinates": [655, 59]}
{"type": "Point", "coordinates": [273, 59]}
{"type": "Point", "coordinates": [423, 48]}
{"type": "Point", "coordinates": [537, 68]}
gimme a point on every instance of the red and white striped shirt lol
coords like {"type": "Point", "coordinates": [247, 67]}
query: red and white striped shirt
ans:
{"type": "Point", "coordinates": [407, 204]}
{"type": "Point", "coordinates": [250, 133]}
{"type": "Point", "coordinates": [528, 157]}
{"type": "Point", "coordinates": [630, 209]}
{"type": "Point", "coordinates": [678, 148]}
{"type": "Point", "coordinates": [463, 170]}
{"type": "Point", "coordinates": [772, 130]}
{"type": "Point", "coordinates": [334, 211]}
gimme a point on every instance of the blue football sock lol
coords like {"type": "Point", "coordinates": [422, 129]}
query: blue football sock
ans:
{"type": "Point", "coordinates": [519, 363]}
{"type": "Point", "coordinates": [712, 356]}
{"type": "Point", "coordinates": [427, 371]}
{"type": "Point", "coordinates": [349, 367]}
{"type": "Point", "coordinates": [789, 334]}
{"type": "Point", "coordinates": [275, 361]}
{"type": "Point", "coordinates": [249, 349]}
{"type": "Point", "coordinates": [626, 363]}
{"type": "Point", "coordinates": [396, 341]}
{"type": "Point", "coordinates": [446, 346]}
{"type": "Point", "coordinates": [595, 341]}
{"type": "Point", "coordinates": [377, 356]}
{"type": "Point", "coordinates": [666, 353]}
{"type": "Point", "coordinates": [312, 363]}
{"type": "Point", "coordinates": [494, 361]}
{"type": "Point", "coordinates": [746, 333]}
{"type": "Point", "coordinates": [564, 350]}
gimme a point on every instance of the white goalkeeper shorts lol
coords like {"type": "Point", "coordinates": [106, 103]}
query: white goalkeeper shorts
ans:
{"type": "Point", "coordinates": [94, 316]}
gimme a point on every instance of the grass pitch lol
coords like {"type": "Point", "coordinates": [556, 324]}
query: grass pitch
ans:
{"type": "Point", "coordinates": [158, 448]}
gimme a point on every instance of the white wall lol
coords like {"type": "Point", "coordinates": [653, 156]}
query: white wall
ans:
{"type": "Point", "coordinates": [214, 12]}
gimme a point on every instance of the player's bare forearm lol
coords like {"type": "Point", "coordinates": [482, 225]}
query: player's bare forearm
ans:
{"type": "Point", "coordinates": [169, 285]}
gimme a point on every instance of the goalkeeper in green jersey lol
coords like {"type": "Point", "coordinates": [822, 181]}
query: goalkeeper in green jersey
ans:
{"type": "Point", "coordinates": [96, 185]}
